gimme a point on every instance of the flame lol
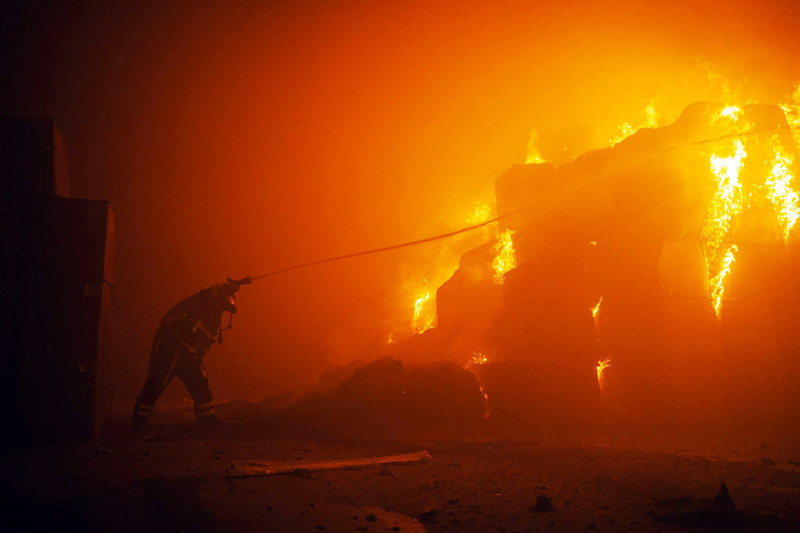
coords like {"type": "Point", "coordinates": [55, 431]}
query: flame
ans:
{"type": "Point", "coordinates": [419, 289]}
{"type": "Point", "coordinates": [596, 308]}
{"type": "Point", "coordinates": [602, 364]}
{"type": "Point", "coordinates": [485, 396]}
{"type": "Point", "coordinates": [781, 194]}
{"type": "Point", "coordinates": [717, 282]}
{"type": "Point", "coordinates": [506, 259]}
{"type": "Point", "coordinates": [424, 313]}
{"type": "Point", "coordinates": [731, 112]}
{"type": "Point", "coordinates": [625, 129]}
{"type": "Point", "coordinates": [481, 212]}
{"type": "Point", "coordinates": [791, 109]}
{"type": "Point", "coordinates": [478, 358]}
{"type": "Point", "coordinates": [533, 157]}
{"type": "Point", "coordinates": [725, 206]}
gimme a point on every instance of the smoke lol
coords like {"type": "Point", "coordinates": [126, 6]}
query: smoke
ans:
{"type": "Point", "coordinates": [237, 138]}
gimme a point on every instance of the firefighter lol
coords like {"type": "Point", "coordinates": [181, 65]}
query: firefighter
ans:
{"type": "Point", "coordinates": [184, 336]}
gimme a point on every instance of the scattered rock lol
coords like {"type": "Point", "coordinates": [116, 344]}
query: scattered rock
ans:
{"type": "Point", "coordinates": [429, 516]}
{"type": "Point", "coordinates": [723, 503]}
{"type": "Point", "coordinates": [707, 513]}
{"type": "Point", "coordinates": [544, 505]}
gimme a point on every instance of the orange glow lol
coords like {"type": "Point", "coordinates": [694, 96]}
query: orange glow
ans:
{"type": "Point", "coordinates": [505, 260]}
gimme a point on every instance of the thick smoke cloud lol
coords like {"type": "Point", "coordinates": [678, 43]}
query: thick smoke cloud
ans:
{"type": "Point", "coordinates": [235, 139]}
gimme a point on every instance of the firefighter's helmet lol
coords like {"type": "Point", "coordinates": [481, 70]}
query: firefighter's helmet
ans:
{"type": "Point", "coordinates": [223, 297]}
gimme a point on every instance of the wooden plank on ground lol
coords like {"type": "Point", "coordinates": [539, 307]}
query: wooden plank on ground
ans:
{"type": "Point", "coordinates": [246, 468]}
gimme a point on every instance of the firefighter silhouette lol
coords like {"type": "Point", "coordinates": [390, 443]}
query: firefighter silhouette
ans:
{"type": "Point", "coordinates": [183, 338]}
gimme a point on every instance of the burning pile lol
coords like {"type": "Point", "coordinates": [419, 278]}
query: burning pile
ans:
{"type": "Point", "coordinates": [669, 254]}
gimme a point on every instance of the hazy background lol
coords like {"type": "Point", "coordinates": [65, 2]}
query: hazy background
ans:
{"type": "Point", "coordinates": [235, 138]}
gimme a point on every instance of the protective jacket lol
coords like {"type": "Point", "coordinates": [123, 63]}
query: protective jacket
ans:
{"type": "Point", "coordinates": [181, 341]}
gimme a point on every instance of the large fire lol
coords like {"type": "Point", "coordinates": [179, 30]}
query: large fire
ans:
{"type": "Point", "coordinates": [737, 190]}
{"type": "Point", "coordinates": [739, 169]}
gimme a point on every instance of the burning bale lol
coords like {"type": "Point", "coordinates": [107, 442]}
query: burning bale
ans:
{"type": "Point", "coordinates": [669, 254]}
{"type": "Point", "coordinates": [387, 394]}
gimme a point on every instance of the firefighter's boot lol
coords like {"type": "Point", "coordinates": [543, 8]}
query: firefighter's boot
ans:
{"type": "Point", "coordinates": [141, 413]}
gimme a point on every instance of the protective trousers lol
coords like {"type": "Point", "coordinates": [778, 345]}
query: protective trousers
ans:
{"type": "Point", "coordinates": [172, 358]}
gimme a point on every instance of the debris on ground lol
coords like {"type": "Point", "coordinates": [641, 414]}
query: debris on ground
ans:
{"type": "Point", "coordinates": [245, 468]}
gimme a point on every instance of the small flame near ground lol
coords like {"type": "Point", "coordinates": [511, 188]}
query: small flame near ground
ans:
{"type": "Point", "coordinates": [534, 157]}
{"type": "Point", "coordinates": [420, 291]}
{"type": "Point", "coordinates": [602, 364]}
{"type": "Point", "coordinates": [478, 359]}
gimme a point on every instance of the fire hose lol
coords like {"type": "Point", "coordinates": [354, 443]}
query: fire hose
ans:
{"type": "Point", "coordinates": [384, 248]}
{"type": "Point", "coordinates": [250, 279]}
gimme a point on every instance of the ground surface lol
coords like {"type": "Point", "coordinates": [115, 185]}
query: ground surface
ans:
{"type": "Point", "coordinates": [172, 478]}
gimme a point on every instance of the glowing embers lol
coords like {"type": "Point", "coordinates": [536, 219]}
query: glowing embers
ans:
{"type": "Point", "coordinates": [505, 259]}
{"type": "Point", "coordinates": [478, 358]}
{"type": "Point", "coordinates": [602, 364]}
{"type": "Point", "coordinates": [424, 313]}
